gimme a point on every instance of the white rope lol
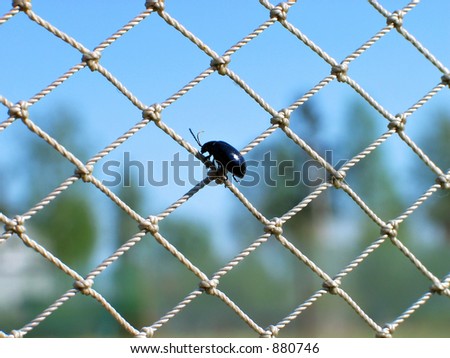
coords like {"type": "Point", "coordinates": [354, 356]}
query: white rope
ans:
{"type": "Point", "coordinates": [276, 120]}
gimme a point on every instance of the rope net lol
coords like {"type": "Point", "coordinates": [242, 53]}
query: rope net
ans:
{"type": "Point", "coordinates": [272, 228]}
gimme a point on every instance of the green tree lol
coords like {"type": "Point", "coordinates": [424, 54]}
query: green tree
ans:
{"type": "Point", "coordinates": [67, 224]}
{"type": "Point", "coordinates": [147, 281]}
{"type": "Point", "coordinates": [437, 146]}
{"type": "Point", "coordinates": [294, 176]}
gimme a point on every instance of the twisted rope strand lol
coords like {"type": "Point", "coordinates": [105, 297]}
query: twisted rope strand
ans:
{"type": "Point", "coordinates": [279, 120]}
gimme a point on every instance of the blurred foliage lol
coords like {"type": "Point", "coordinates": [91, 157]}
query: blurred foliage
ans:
{"type": "Point", "coordinates": [437, 143]}
{"type": "Point", "coordinates": [67, 225]}
{"type": "Point", "coordinates": [68, 228]}
{"type": "Point", "coordinates": [382, 283]}
{"type": "Point", "coordinates": [147, 281]}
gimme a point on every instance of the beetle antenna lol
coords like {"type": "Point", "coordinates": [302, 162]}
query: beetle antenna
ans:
{"type": "Point", "coordinates": [197, 139]}
{"type": "Point", "coordinates": [198, 136]}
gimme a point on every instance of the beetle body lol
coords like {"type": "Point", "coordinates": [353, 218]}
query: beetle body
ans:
{"type": "Point", "coordinates": [226, 156]}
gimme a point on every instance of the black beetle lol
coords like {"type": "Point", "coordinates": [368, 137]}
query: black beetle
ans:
{"type": "Point", "coordinates": [226, 156]}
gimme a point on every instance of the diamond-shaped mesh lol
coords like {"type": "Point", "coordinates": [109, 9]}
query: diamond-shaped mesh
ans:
{"type": "Point", "coordinates": [332, 284]}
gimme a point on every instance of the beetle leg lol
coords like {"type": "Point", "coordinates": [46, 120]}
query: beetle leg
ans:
{"type": "Point", "coordinates": [221, 170]}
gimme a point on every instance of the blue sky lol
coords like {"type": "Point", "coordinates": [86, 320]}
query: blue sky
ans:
{"type": "Point", "coordinates": [154, 61]}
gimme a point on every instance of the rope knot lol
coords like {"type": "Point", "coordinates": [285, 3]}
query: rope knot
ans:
{"type": "Point", "coordinates": [280, 11]}
{"type": "Point", "coordinates": [270, 332]}
{"type": "Point", "coordinates": [155, 5]}
{"type": "Point", "coordinates": [16, 225]}
{"type": "Point", "coordinates": [83, 286]}
{"type": "Point", "coordinates": [386, 332]}
{"type": "Point", "coordinates": [85, 173]}
{"type": "Point", "coordinates": [24, 5]}
{"type": "Point", "coordinates": [148, 332]}
{"type": "Point", "coordinates": [390, 229]}
{"type": "Point", "coordinates": [150, 225]}
{"type": "Point", "coordinates": [17, 333]}
{"type": "Point", "coordinates": [444, 181]}
{"type": "Point", "coordinates": [274, 227]}
{"type": "Point", "coordinates": [19, 110]}
{"type": "Point", "coordinates": [208, 285]}
{"type": "Point", "coordinates": [446, 79]}
{"type": "Point", "coordinates": [340, 71]}
{"type": "Point", "coordinates": [395, 19]}
{"type": "Point", "coordinates": [398, 123]}
{"type": "Point", "coordinates": [91, 59]}
{"type": "Point", "coordinates": [152, 113]}
{"type": "Point", "coordinates": [220, 180]}
{"type": "Point", "coordinates": [281, 118]}
{"type": "Point", "coordinates": [220, 64]}
{"type": "Point", "coordinates": [438, 288]}
{"type": "Point", "coordinates": [331, 286]}
{"type": "Point", "coordinates": [337, 179]}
